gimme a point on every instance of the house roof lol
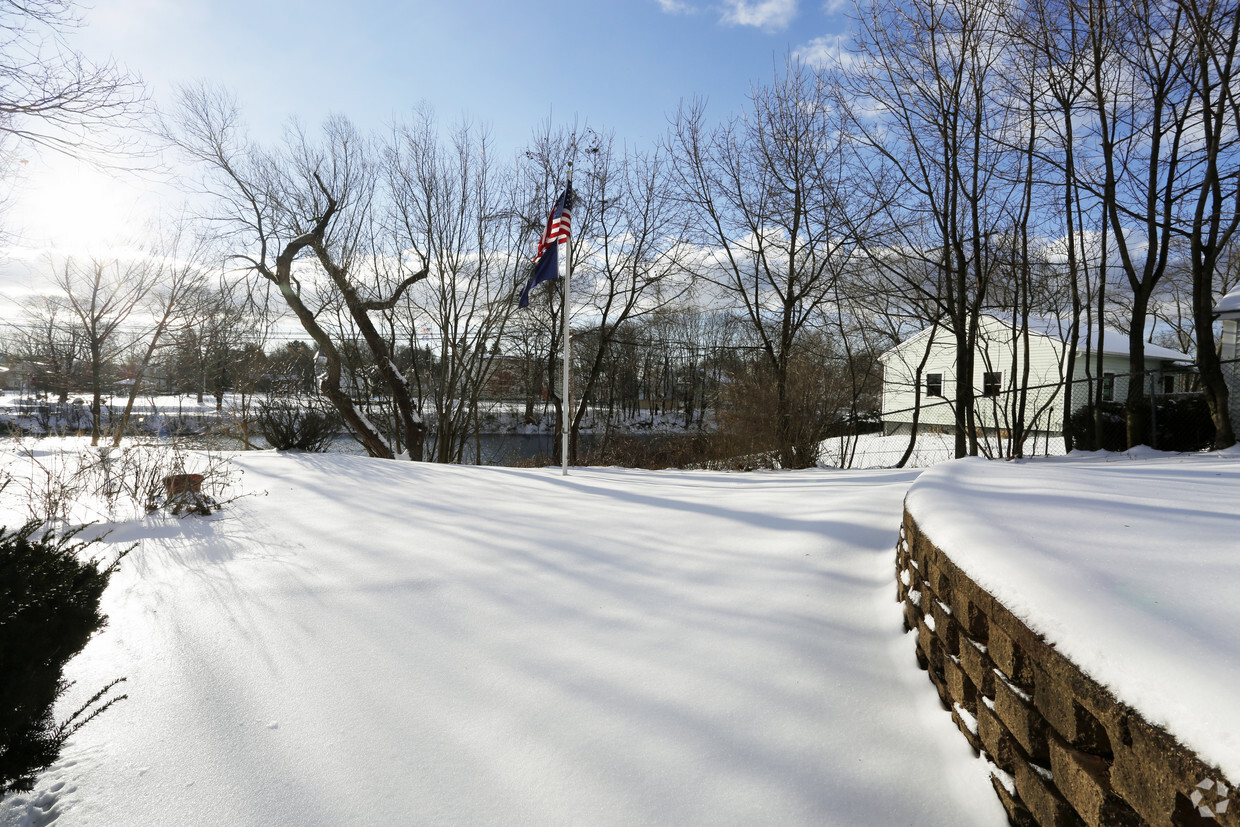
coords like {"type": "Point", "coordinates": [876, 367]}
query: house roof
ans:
{"type": "Point", "coordinates": [1228, 307]}
{"type": "Point", "coordinates": [1114, 343]}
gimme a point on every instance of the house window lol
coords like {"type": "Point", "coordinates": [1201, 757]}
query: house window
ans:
{"type": "Point", "coordinates": [1108, 387]}
{"type": "Point", "coordinates": [1169, 383]}
{"type": "Point", "coordinates": [992, 381]}
{"type": "Point", "coordinates": [934, 384]}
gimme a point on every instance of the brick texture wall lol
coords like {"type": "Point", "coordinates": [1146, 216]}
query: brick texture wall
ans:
{"type": "Point", "coordinates": [1064, 750]}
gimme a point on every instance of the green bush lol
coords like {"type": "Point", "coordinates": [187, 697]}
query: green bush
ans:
{"type": "Point", "coordinates": [1182, 423]}
{"type": "Point", "coordinates": [49, 608]}
{"type": "Point", "coordinates": [1114, 428]}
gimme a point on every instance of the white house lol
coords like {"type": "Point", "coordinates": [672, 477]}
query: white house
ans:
{"type": "Point", "coordinates": [999, 369]}
{"type": "Point", "coordinates": [1228, 311]}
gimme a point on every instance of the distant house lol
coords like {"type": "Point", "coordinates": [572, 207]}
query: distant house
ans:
{"type": "Point", "coordinates": [1228, 312]}
{"type": "Point", "coordinates": [997, 375]}
{"type": "Point", "coordinates": [24, 375]}
{"type": "Point", "coordinates": [510, 377]}
{"type": "Point", "coordinates": [155, 380]}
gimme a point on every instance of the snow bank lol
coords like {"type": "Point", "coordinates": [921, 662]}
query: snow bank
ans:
{"type": "Point", "coordinates": [369, 642]}
{"type": "Point", "coordinates": [879, 451]}
{"type": "Point", "coordinates": [1128, 564]}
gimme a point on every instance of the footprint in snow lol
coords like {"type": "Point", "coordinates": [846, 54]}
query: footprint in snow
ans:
{"type": "Point", "coordinates": [45, 809]}
{"type": "Point", "coordinates": [54, 793]}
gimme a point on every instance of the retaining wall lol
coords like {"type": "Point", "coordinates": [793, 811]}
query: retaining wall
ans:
{"type": "Point", "coordinates": [1065, 751]}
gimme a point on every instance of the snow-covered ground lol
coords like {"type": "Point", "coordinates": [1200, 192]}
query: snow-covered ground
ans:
{"type": "Point", "coordinates": [879, 451]}
{"type": "Point", "coordinates": [1128, 563]}
{"type": "Point", "coordinates": [369, 642]}
{"type": "Point", "coordinates": [157, 413]}
{"type": "Point", "coordinates": [151, 414]}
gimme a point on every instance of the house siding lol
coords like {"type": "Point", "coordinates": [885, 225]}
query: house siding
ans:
{"type": "Point", "coordinates": [1229, 342]}
{"type": "Point", "coordinates": [995, 354]}
{"type": "Point", "coordinates": [1230, 339]}
{"type": "Point", "coordinates": [1045, 400]}
{"type": "Point", "coordinates": [997, 351]}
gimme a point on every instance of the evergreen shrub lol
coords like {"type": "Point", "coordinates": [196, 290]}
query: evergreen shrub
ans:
{"type": "Point", "coordinates": [1182, 423]}
{"type": "Point", "coordinates": [49, 608]}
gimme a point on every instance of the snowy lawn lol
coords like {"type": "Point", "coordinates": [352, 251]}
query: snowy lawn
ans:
{"type": "Point", "coordinates": [376, 642]}
{"type": "Point", "coordinates": [879, 451]}
{"type": "Point", "coordinates": [1128, 563]}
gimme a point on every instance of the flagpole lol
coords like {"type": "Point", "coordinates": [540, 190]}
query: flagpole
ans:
{"type": "Point", "coordinates": [568, 278]}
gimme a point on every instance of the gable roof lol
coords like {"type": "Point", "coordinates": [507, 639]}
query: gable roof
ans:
{"type": "Point", "coordinates": [1114, 343]}
{"type": "Point", "coordinates": [1228, 307]}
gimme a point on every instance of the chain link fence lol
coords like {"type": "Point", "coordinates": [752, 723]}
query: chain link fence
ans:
{"type": "Point", "coordinates": [1231, 373]}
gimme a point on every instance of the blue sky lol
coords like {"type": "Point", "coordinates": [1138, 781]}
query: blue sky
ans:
{"type": "Point", "coordinates": [509, 64]}
{"type": "Point", "coordinates": [625, 66]}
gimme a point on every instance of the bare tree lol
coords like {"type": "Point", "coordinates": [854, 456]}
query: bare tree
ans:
{"type": "Point", "coordinates": [772, 207]}
{"type": "Point", "coordinates": [178, 280]}
{"type": "Point", "coordinates": [1215, 195]}
{"type": "Point", "coordinates": [452, 214]}
{"type": "Point", "coordinates": [925, 99]}
{"type": "Point", "coordinates": [200, 344]}
{"type": "Point", "coordinates": [631, 258]}
{"type": "Point", "coordinates": [51, 343]}
{"type": "Point", "coordinates": [51, 95]}
{"type": "Point", "coordinates": [1056, 38]}
{"type": "Point", "coordinates": [102, 296]}
{"type": "Point", "coordinates": [54, 98]}
{"type": "Point", "coordinates": [301, 217]}
{"type": "Point", "coordinates": [1140, 127]}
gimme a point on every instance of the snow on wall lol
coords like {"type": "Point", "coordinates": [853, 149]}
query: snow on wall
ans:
{"type": "Point", "coordinates": [1091, 633]}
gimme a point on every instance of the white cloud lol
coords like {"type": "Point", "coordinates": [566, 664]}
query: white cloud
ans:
{"type": "Point", "coordinates": [760, 14]}
{"type": "Point", "coordinates": [828, 51]}
{"type": "Point", "coordinates": [676, 7]}
{"type": "Point", "coordinates": [763, 14]}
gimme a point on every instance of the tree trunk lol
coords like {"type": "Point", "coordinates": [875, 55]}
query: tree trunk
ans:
{"type": "Point", "coordinates": [96, 390]}
{"type": "Point", "coordinates": [964, 392]}
{"type": "Point", "coordinates": [1136, 400]}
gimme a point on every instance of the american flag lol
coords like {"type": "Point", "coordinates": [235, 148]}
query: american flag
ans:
{"type": "Point", "coordinates": [546, 264]}
{"type": "Point", "coordinates": [558, 224]}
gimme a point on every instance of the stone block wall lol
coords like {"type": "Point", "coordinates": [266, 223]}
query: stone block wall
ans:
{"type": "Point", "coordinates": [1064, 750]}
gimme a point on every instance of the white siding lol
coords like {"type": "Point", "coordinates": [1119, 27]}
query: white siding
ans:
{"type": "Point", "coordinates": [1230, 340]}
{"type": "Point", "coordinates": [1229, 343]}
{"type": "Point", "coordinates": [1044, 409]}
{"type": "Point", "coordinates": [899, 368]}
{"type": "Point", "coordinates": [1083, 390]}
{"type": "Point", "coordinates": [999, 350]}
{"type": "Point", "coordinates": [1002, 349]}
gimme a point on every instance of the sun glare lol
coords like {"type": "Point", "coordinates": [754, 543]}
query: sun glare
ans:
{"type": "Point", "coordinates": [76, 208]}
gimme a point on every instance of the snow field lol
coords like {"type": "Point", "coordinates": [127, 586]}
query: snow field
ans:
{"type": "Point", "coordinates": [878, 451]}
{"type": "Point", "coordinates": [372, 642]}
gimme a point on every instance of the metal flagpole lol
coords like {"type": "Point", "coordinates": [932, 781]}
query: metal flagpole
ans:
{"type": "Point", "coordinates": [568, 277]}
